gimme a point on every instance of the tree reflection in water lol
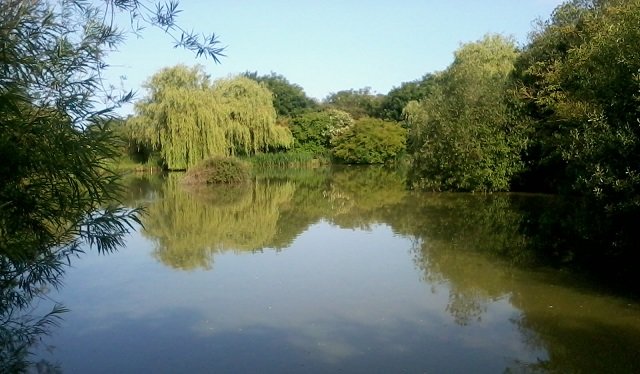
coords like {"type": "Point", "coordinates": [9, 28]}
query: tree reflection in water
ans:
{"type": "Point", "coordinates": [27, 315]}
{"type": "Point", "coordinates": [190, 225]}
{"type": "Point", "coordinates": [482, 250]}
{"type": "Point", "coordinates": [478, 245]}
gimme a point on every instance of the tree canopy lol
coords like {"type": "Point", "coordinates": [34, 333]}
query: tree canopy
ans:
{"type": "Point", "coordinates": [462, 133]}
{"type": "Point", "coordinates": [289, 99]}
{"type": "Point", "coordinates": [189, 119]}
{"type": "Point", "coordinates": [314, 132]}
{"type": "Point", "coordinates": [358, 103]}
{"type": "Point", "coordinates": [394, 102]}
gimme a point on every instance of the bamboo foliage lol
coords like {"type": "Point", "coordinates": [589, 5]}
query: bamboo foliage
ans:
{"type": "Point", "coordinates": [188, 119]}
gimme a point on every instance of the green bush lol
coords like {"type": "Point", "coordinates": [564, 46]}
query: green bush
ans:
{"type": "Point", "coordinates": [218, 170]}
{"type": "Point", "coordinates": [370, 141]}
{"type": "Point", "coordinates": [313, 132]}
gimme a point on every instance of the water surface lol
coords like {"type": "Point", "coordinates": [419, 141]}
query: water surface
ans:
{"type": "Point", "coordinates": [333, 271]}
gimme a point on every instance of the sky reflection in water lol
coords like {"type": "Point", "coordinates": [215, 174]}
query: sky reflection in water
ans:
{"type": "Point", "coordinates": [379, 280]}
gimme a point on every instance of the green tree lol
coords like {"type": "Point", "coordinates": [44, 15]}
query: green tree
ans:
{"type": "Point", "coordinates": [393, 104]}
{"type": "Point", "coordinates": [313, 132]}
{"type": "Point", "coordinates": [57, 190]}
{"type": "Point", "coordinates": [579, 80]}
{"type": "Point", "coordinates": [188, 119]}
{"type": "Point", "coordinates": [55, 182]}
{"type": "Point", "coordinates": [289, 99]}
{"type": "Point", "coordinates": [358, 103]}
{"type": "Point", "coordinates": [464, 135]}
{"type": "Point", "coordinates": [370, 141]}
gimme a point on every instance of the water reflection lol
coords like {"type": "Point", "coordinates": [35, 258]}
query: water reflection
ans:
{"type": "Point", "coordinates": [340, 270]}
{"type": "Point", "coordinates": [27, 314]}
{"type": "Point", "coordinates": [190, 225]}
{"type": "Point", "coordinates": [475, 245]}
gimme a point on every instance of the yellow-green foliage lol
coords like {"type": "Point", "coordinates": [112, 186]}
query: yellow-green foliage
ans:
{"type": "Point", "coordinates": [218, 170]}
{"type": "Point", "coordinates": [370, 141]}
{"type": "Point", "coordinates": [188, 119]}
{"type": "Point", "coordinates": [247, 114]}
{"type": "Point", "coordinates": [189, 226]}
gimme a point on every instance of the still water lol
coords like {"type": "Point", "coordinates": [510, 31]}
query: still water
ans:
{"type": "Point", "coordinates": [322, 271]}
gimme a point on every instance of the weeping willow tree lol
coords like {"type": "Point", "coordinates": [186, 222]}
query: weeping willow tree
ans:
{"type": "Point", "coordinates": [248, 116]}
{"type": "Point", "coordinates": [187, 118]}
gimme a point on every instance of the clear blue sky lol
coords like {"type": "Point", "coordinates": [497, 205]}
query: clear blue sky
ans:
{"type": "Point", "coordinates": [331, 45]}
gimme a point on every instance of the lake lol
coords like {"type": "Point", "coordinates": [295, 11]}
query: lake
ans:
{"type": "Point", "coordinates": [343, 270]}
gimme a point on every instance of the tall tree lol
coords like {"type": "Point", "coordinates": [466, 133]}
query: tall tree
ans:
{"type": "Point", "coordinates": [463, 134]}
{"type": "Point", "coordinates": [579, 78]}
{"type": "Point", "coordinates": [188, 119]}
{"type": "Point", "coordinates": [289, 99]}
{"type": "Point", "coordinates": [397, 99]}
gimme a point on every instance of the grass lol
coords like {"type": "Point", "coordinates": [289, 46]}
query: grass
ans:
{"type": "Point", "coordinates": [126, 164]}
{"type": "Point", "coordinates": [286, 159]}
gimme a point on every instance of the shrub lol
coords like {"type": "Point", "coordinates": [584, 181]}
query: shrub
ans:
{"type": "Point", "coordinates": [370, 141]}
{"type": "Point", "coordinates": [218, 170]}
{"type": "Point", "coordinates": [313, 132]}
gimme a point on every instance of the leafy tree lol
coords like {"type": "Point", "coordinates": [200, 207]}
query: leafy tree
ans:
{"type": "Point", "coordinates": [57, 190]}
{"type": "Point", "coordinates": [313, 132]}
{"type": "Point", "coordinates": [289, 99]}
{"type": "Point", "coordinates": [188, 119]}
{"type": "Point", "coordinates": [397, 99]}
{"type": "Point", "coordinates": [53, 142]}
{"type": "Point", "coordinates": [370, 141]}
{"type": "Point", "coordinates": [579, 80]}
{"type": "Point", "coordinates": [464, 135]}
{"type": "Point", "coordinates": [550, 42]}
{"type": "Point", "coordinates": [358, 103]}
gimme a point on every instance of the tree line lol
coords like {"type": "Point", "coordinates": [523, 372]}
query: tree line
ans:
{"type": "Point", "coordinates": [559, 115]}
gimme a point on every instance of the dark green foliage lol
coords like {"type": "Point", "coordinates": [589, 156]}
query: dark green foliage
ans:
{"type": "Point", "coordinates": [310, 132]}
{"type": "Point", "coordinates": [57, 189]}
{"type": "Point", "coordinates": [289, 99]}
{"type": "Point", "coordinates": [218, 170]}
{"type": "Point", "coordinates": [393, 104]}
{"type": "Point", "coordinates": [370, 141]}
{"type": "Point", "coordinates": [579, 81]}
{"type": "Point", "coordinates": [358, 103]}
{"type": "Point", "coordinates": [54, 145]}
